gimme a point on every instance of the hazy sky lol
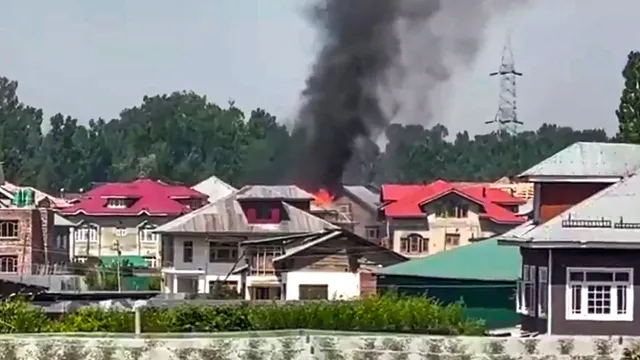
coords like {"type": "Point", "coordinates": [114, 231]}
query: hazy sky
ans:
{"type": "Point", "coordinates": [93, 58]}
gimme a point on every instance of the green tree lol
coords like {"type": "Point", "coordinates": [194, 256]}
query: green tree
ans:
{"type": "Point", "coordinates": [629, 111]}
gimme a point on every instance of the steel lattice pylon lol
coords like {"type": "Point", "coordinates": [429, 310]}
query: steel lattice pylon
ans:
{"type": "Point", "coordinates": [507, 116]}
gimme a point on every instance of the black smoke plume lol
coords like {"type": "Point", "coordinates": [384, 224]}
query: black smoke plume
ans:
{"type": "Point", "coordinates": [340, 100]}
{"type": "Point", "coordinates": [381, 61]}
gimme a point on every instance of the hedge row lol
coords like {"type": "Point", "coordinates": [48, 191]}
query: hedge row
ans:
{"type": "Point", "coordinates": [388, 313]}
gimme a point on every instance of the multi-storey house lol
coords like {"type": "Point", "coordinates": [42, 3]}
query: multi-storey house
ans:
{"type": "Point", "coordinates": [580, 257]}
{"type": "Point", "coordinates": [208, 245]}
{"type": "Point", "coordinates": [352, 207]}
{"type": "Point", "coordinates": [27, 243]}
{"type": "Point", "coordinates": [117, 219]}
{"type": "Point", "coordinates": [426, 219]}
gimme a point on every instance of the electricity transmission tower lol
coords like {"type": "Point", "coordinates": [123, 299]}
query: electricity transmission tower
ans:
{"type": "Point", "coordinates": [507, 116]}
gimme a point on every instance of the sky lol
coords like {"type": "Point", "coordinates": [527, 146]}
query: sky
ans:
{"type": "Point", "coordinates": [91, 59]}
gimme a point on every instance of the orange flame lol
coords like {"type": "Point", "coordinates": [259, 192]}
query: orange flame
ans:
{"type": "Point", "coordinates": [323, 197]}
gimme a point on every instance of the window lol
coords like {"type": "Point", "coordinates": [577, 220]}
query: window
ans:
{"type": "Point", "coordinates": [599, 294]}
{"type": "Point", "coordinates": [452, 211]}
{"type": "Point", "coordinates": [222, 252]}
{"type": "Point", "coordinates": [265, 293]}
{"type": "Point", "coordinates": [121, 231]}
{"type": "Point", "coordinates": [262, 260]}
{"type": "Point", "coordinates": [152, 262]}
{"type": "Point", "coordinates": [85, 234]}
{"type": "Point", "coordinates": [344, 211]}
{"type": "Point", "coordinates": [146, 236]}
{"type": "Point", "coordinates": [9, 229]}
{"type": "Point", "coordinates": [527, 290]}
{"type": "Point", "coordinates": [313, 292]}
{"type": "Point", "coordinates": [8, 264]}
{"type": "Point", "coordinates": [117, 203]}
{"type": "Point", "coordinates": [263, 212]}
{"type": "Point", "coordinates": [373, 233]}
{"type": "Point", "coordinates": [187, 252]}
{"type": "Point", "coordinates": [414, 244]}
{"type": "Point", "coordinates": [543, 290]}
{"type": "Point", "coordinates": [452, 239]}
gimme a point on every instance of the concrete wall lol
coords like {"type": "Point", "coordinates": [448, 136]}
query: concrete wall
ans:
{"type": "Point", "coordinates": [302, 345]}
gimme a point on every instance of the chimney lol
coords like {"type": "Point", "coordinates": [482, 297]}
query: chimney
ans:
{"type": "Point", "coordinates": [484, 192]}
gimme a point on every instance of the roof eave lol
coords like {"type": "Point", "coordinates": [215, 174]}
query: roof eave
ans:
{"type": "Point", "coordinates": [568, 244]}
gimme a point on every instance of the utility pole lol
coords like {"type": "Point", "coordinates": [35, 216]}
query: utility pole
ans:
{"type": "Point", "coordinates": [507, 116]}
{"type": "Point", "coordinates": [116, 247]}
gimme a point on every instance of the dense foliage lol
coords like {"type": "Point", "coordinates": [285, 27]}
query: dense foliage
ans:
{"type": "Point", "coordinates": [378, 314]}
{"type": "Point", "coordinates": [184, 137]}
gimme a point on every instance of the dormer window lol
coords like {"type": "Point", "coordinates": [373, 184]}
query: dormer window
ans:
{"type": "Point", "coordinates": [117, 203]}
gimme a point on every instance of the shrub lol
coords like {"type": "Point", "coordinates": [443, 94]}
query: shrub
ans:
{"type": "Point", "coordinates": [389, 313]}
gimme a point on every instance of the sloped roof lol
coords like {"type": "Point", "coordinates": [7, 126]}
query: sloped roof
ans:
{"type": "Point", "coordinates": [364, 194]}
{"type": "Point", "coordinates": [589, 159]}
{"type": "Point", "coordinates": [484, 260]}
{"type": "Point", "coordinates": [288, 192]}
{"type": "Point", "coordinates": [151, 197]}
{"type": "Point", "coordinates": [59, 220]}
{"type": "Point", "coordinates": [294, 244]}
{"type": "Point", "coordinates": [610, 216]}
{"type": "Point", "coordinates": [226, 215]}
{"type": "Point", "coordinates": [214, 188]}
{"type": "Point", "coordinates": [10, 189]}
{"type": "Point", "coordinates": [410, 204]}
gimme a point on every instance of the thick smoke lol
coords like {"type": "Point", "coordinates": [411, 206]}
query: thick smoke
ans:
{"type": "Point", "coordinates": [382, 61]}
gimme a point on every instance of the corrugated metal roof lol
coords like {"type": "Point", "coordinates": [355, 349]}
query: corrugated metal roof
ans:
{"type": "Point", "coordinates": [364, 194]}
{"type": "Point", "coordinates": [226, 215]}
{"type": "Point", "coordinates": [214, 188]}
{"type": "Point", "coordinates": [59, 220]}
{"type": "Point", "coordinates": [610, 216]}
{"type": "Point", "coordinates": [289, 192]}
{"type": "Point", "coordinates": [589, 159]}
{"type": "Point", "coordinates": [484, 260]}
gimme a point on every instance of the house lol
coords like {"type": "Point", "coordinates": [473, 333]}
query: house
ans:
{"type": "Point", "coordinates": [329, 264]}
{"type": "Point", "coordinates": [214, 188]}
{"type": "Point", "coordinates": [483, 275]}
{"type": "Point", "coordinates": [27, 241]}
{"type": "Point", "coordinates": [426, 219]}
{"type": "Point", "coordinates": [116, 219]}
{"type": "Point", "coordinates": [579, 260]}
{"type": "Point", "coordinates": [354, 208]}
{"type": "Point", "coordinates": [204, 246]}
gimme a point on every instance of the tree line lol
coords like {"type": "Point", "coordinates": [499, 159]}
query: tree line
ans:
{"type": "Point", "coordinates": [185, 137]}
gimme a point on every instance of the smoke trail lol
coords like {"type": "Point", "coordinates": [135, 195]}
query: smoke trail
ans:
{"type": "Point", "coordinates": [382, 61]}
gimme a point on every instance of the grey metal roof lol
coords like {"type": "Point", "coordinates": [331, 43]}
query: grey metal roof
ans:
{"type": "Point", "coordinates": [364, 194]}
{"type": "Point", "coordinates": [214, 188]}
{"type": "Point", "coordinates": [584, 159]}
{"type": "Point", "coordinates": [59, 220]}
{"type": "Point", "coordinates": [226, 215]}
{"type": "Point", "coordinates": [610, 216]}
{"type": "Point", "coordinates": [289, 192]}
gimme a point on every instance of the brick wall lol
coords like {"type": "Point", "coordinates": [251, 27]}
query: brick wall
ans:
{"type": "Point", "coordinates": [34, 243]}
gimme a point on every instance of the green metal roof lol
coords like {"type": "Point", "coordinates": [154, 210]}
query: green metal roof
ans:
{"type": "Point", "coordinates": [135, 261]}
{"type": "Point", "coordinates": [484, 260]}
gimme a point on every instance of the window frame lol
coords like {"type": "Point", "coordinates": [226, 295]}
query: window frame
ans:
{"type": "Point", "coordinates": [543, 283]}
{"type": "Point", "coordinates": [422, 244]}
{"type": "Point", "coordinates": [9, 230]}
{"type": "Point", "coordinates": [215, 246]}
{"type": "Point", "coordinates": [613, 295]}
{"type": "Point", "coordinates": [121, 231]}
{"type": "Point", "coordinates": [449, 236]}
{"type": "Point", "coordinates": [117, 203]}
{"type": "Point", "coordinates": [146, 236]}
{"type": "Point", "coordinates": [524, 303]}
{"type": "Point", "coordinates": [187, 259]}
{"type": "Point", "coordinates": [6, 260]}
